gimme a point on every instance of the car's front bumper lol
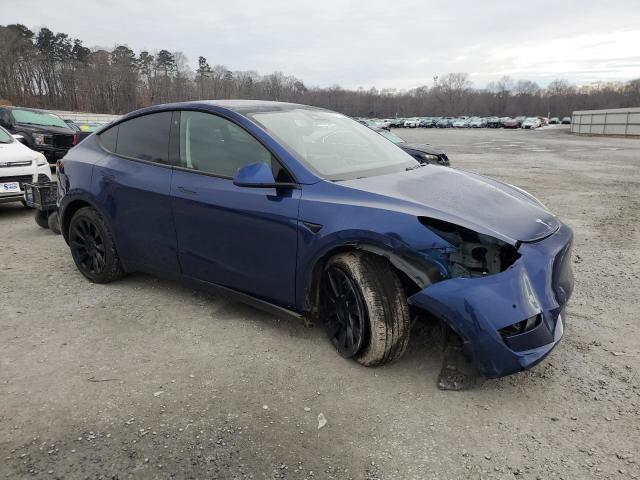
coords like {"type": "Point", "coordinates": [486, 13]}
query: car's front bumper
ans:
{"type": "Point", "coordinates": [22, 175]}
{"type": "Point", "coordinates": [540, 282]}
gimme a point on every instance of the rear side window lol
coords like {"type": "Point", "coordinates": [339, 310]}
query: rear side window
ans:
{"type": "Point", "coordinates": [109, 138]}
{"type": "Point", "coordinates": [212, 144]}
{"type": "Point", "coordinates": [145, 138]}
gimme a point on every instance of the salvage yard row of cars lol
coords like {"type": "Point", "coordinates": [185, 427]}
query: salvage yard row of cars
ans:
{"type": "Point", "coordinates": [465, 122]}
{"type": "Point", "coordinates": [356, 232]}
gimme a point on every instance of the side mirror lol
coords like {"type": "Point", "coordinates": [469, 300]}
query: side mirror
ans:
{"type": "Point", "coordinates": [258, 175]}
{"type": "Point", "coordinates": [20, 138]}
{"type": "Point", "coordinates": [254, 175]}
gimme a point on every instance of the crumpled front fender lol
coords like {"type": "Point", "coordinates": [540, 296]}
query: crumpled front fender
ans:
{"type": "Point", "coordinates": [539, 282]}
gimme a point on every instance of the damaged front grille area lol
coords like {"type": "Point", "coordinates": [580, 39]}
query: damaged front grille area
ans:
{"type": "Point", "coordinates": [534, 332]}
{"type": "Point", "coordinates": [521, 327]}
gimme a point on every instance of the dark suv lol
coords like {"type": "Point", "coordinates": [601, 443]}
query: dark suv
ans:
{"type": "Point", "coordinates": [42, 131]}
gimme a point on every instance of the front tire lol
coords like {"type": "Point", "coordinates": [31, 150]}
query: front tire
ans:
{"type": "Point", "coordinates": [364, 308]}
{"type": "Point", "coordinates": [93, 248]}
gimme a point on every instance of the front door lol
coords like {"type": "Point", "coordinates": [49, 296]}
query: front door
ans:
{"type": "Point", "coordinates": [242, 238]}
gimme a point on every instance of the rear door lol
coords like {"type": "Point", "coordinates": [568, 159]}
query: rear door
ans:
{"type": "Point", "coordinates": [240, 237]}
{"type": "Point", "coordinates": [133, 185]}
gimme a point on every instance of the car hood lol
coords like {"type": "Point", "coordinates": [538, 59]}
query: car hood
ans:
{"type": "Point", "coordinates": [43, 128]}
{"type": "Point", "coordinates": [463, 198]}
{"type": "Point", "coordinates": [422, 147]}
{"type": "Point", "coordinates": [15, 152]}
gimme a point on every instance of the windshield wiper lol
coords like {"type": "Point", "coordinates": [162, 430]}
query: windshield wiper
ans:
{"type": "Point", "coordinates": [416, 166]}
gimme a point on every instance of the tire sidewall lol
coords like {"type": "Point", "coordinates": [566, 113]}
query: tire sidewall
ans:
{"type": "Point", "coordinates": [91, 215]}
{"type": "Point", "coordinates": [386, 319]}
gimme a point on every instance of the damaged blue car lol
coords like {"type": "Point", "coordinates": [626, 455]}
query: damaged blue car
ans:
{"type": "Point", "coordinates": [303, 211]}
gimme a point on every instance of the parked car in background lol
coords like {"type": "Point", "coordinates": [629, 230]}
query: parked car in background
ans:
{"type": "Point", "coordinates": [19, 165]}
{"type": "Point", "coordinates": [509, 122]}
{"type": "Point", "coordinates": [566, 120]}
{"type": "Point", "coordinates": [503, 120]}
{"type": "Point", "coordinates": [422, 152]}
{"type": "Point", "coordinates": [520, 119]}
{"type": "Point", "coordinates": [42, 131]}
{"type": "Point", "coordinates": [397, 123]}
{"type": "Point", "coordinates": [477, 122]}
{"type": "Point", "coordinates": [383, 123]}
{"type": "Point", "coordinates": [531, 123]}
{"type": "Point", "coordinates": [427, 122]}
{"type": "Point", "coordinates": [83, 129]}
{"type": "Point", "coordinates": [460, 123]}
{"type": "Point", "coordinates": [444, 123]}
{"type": "Point", "coordinates": [353, 232]}
{"type": "Point", "coordinates": [493, 122]}
{"type": "Point", "coordinates": [412, 122]}
{"type": "Point", "coordinates": [554, 121]}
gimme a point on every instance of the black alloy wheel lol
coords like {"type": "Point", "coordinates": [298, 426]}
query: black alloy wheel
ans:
{"type": "Point", "coordinates": [87, 246]}
{"type": "Point", "coordinates": [344, 312]}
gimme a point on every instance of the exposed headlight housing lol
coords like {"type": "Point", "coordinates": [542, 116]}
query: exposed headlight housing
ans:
{"type": "Point", "coordinates": [473, 254]}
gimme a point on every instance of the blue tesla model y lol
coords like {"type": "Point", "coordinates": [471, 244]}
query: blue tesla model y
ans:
{"type": "Point", "coordinates": [302, 210]}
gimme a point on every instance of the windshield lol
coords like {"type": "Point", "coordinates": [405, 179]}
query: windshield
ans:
{"type": "Point", "coordinates": [334, 146]}
{"type": "Point", "coordinates": [38, 118]}
{"type": "Point", "coordinates": [391, 136]}
{"type": "Point", "coordinates": [5, 137]}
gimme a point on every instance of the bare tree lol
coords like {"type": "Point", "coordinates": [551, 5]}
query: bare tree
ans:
{"type": "Point", "coordinates": [52, 70]}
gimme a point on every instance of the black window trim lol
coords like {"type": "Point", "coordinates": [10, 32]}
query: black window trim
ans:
{"type": "Point", "coordinates": [172, 134]}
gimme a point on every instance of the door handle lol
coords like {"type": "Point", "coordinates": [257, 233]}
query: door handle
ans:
{"type": "Point", "coordinates": [186, 191]}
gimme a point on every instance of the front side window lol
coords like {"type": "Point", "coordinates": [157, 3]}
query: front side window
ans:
{"type": "Point", "coordinates": [144, 138]}
{"type": "Point", "coordinates": [334, 146]}
{"type": "Point", "coordinates": [214, 145]}
{"type": "Point", "coordinates": [33, 117]}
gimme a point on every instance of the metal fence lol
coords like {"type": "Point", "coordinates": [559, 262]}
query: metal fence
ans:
{"type": "Point", "coordinates": [82, 117]}
{"type": "Point", "coordinates": [617, 121]}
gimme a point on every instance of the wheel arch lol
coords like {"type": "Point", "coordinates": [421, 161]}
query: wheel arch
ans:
{"type": "Point", "coordinates": [73, 202]}
{"type": "Point", "coordinates": [67, 214]}
{"type": "Point", "coordinates": [414, 272]}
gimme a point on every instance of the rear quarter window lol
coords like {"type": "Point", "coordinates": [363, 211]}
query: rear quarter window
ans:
{"type": "Point", "coordinates": [109, 138]}
{"type": "Point", "coordinates": [144, 138]}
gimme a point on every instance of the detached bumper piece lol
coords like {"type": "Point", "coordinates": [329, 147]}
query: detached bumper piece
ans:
{"type": "Point", "coordinates": [508, 321]}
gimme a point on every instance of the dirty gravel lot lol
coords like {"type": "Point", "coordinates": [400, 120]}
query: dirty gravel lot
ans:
{"type": "Point", "coordinates": [145, 378]}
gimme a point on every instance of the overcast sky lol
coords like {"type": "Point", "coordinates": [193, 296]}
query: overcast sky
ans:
{"type": "Point", "coordinates": [384, 43]}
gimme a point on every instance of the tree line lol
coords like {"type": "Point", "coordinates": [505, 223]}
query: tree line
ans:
{"type": "Point", "coordinates": [51, 70]}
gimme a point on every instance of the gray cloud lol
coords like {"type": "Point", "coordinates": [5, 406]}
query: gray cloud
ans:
{"type": "Point", "coordinates": [366, 43]}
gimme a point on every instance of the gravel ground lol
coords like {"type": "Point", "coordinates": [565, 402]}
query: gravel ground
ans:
{"type": "Point", "coordinates": [146, 378]}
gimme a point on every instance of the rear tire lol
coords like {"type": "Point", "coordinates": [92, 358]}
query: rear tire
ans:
{"type": "Point", "coordinates": [42, 218]}
{"type": "Point", "coordinates": [54, 222]}
{"type": "Point", "coordinates": [385, 312]}
{"type": "Point", "coordinates": [93, 248]}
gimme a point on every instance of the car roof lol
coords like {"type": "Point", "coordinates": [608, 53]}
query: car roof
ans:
{"type": "Point", "coordinates": [250, 106]}
{"type": "Point", "coordinates": [241, 107]}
